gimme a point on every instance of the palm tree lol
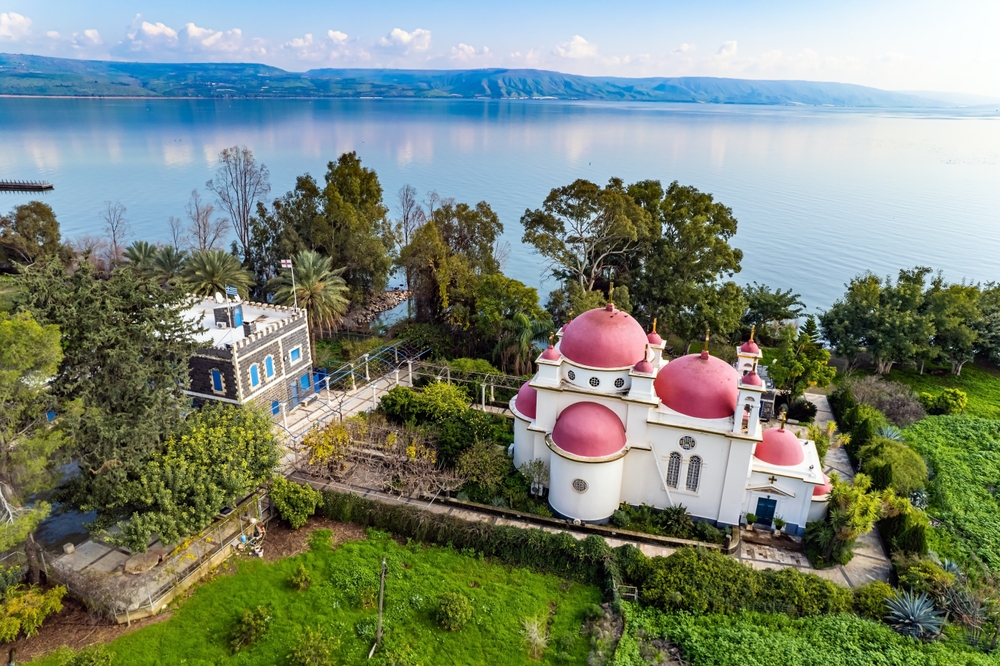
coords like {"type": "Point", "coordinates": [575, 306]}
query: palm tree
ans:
{"type": "Point", "coordinates": [140, 254]}
{"type": "Point", "coordinates": [318, 288]}
{"type": "Point", "coordinates": [517, 342]}
{"type": "Point", "coordinates": [209, 271]}
{"type": "Point", "coordinates": [167, 264]}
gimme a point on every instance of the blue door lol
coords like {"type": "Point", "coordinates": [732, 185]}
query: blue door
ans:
{"type": "Point", "coordinates": [765, 510]}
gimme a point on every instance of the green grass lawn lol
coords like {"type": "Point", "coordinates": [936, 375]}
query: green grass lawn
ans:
{"type": "Point", "coordinates": [341, 603]}
{"type": "Point", "coordinates": [980, 382]}
{"type": "Point", "coordinates": [964, 455]}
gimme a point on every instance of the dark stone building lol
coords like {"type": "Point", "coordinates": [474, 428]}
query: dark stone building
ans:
{"type": "Point", "coordinates": [254, 353]}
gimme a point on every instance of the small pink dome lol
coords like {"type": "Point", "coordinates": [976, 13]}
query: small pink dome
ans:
{"type": "Point", "coordinates": [589, 430]}
{"type": "Point", "coordinates": [750, 347]}
{"type": "Point", "coordinates": [780, 447]}
{"type": "Point", "coordinates": [819, 491]}
{"type": "Point", "coordinates": [699, 385]}
{"type": "Point", "coordinates": [527, 400]}
{"type": "Point", "coordinates": [551, 354]}
{"type": "Point", "coordinates": [654, 338]}
{"type": "Point", "coordinates": [604, 338]}
{"type": "Point", "coordinates": [752, 379]}
{"type": "Point", "coordinates": [644, 366]}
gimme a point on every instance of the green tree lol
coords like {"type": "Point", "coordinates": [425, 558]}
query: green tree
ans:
{"type": "Point", "coordinates": [500, 298]}
{"type": "Point", "coordinates": [28, 233]}
{"type": "Point", "coordinates": [218, 455]}
{"type": "Point", "coordinates": [317, 288]}
{"type": "Point", "coordinates": [29, 357]}
{"type": "Point", "coordinates": [767, 308]}
{"type": "Point", "coordinates": [345, 219]}
{"type": "Point", "coordinates": [954, 311]}
{"type": "Point", "coordinates": [207, 272]}
{"type": "Point", "coordinates": [167, 264]}
{"type": "Point", "coordinates": [799, 363]}
{"type": "Point", "coordinates": [519, 341]}
{"type": "Point", "coordinates": [680, 277]}
{"type": "Point", "coordinates": [126, 345]}
{"type": "Point", "coordinates": [582, 229]}
{"type": "Point", "coordinates": [988, 327]}
{"type": "Point", "coordinates": [141, 254]}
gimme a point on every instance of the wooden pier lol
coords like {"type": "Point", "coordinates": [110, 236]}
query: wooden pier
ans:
{"type": "Point", "coordinates": [24, 186]}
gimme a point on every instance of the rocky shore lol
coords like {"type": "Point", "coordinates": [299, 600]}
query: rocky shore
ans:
{"type": "Point", "coordinates": [360, 317]}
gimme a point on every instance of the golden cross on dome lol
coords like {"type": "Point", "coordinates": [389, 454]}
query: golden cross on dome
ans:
{"type": "Point", "coordinates": [752, 330]}
{"type": "Point", "coordinates": [772, 479]}
{"type": "Point", "coordinates": [784, 417]}
{"type": "Point", "coordinates": [611, 291]}
{"type": "Point", "coordinates": [552, 337]}
{"type": "Point", "coordinates": [708, 334]}
{"type": "Point", "coordinates": [654, 324]}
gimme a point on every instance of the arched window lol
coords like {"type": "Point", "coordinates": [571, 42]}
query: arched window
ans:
{"type": "Point", "coordinates": [694, 473]}
{"type": "Point", "coordinates": [673, 469]}
{"type": "Point", "coordinates": [269, 367]}
{"type": "Point", "coordinates": [217, 385]}
{"type": "Point", "coordinates": [254, 376]}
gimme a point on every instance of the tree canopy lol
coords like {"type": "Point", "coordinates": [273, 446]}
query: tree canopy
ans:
{"type": "Point", "coordinates": [28, 233]}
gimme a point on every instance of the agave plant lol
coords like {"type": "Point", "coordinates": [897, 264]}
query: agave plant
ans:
{"type": "Point", "coordinates": [951, 566]}
{"type": "Point", "coordinates": [890, 432]}
{"type": "Point", "coordinates": [913, 615]}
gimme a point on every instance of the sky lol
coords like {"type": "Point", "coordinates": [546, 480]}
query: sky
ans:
{"type": "Point", "coordinates": [949, 46]}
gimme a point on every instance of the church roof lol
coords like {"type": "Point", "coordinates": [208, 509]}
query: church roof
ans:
{"type": "Point", "coordinates": [551, 354]}
{"type": "Point", "coordinates": [750, 347]}
{"type": "Point", "coordinates": [604, 338]}
{"type": "Point", "coordinates": [780, 447]}
{"type": "Point", "coordinates": [527, 400]}
{"type": "Point", "coordinates": [589, 430]}
{"type": "Point", "coordinates": [699, 385]}
{"type": "Point", "coordinates": [820, 491]}
{"type": "Point", "coordinates": [752, 379]}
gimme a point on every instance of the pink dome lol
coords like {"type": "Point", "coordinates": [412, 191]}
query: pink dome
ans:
{"type": "Point", "coordinates": [551, 354]}
{"type": "Point", "coordinates": [527, 400]}
{"type": "Point", "coordinates": [819, 491]}
{"type": "Point", "coordinates": [654, 338]}
{"type": "Point", "coordinates": [752, 379]}
{"type": "Point", "coordinates": [589, 430]}
{"type": "Point", "coordinates": [750, 347]}
{"type": "Point", "coordinates": [644, 366]}
{"type": "Point", "coordinates": [699, 385]}
{"type": "Point", "coordinates": [780, 447]}
{"type": "Point", "coordinates": [604, 338]}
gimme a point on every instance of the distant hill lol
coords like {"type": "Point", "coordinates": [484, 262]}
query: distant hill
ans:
{"type": "Point", "coordinates": [40, 75]}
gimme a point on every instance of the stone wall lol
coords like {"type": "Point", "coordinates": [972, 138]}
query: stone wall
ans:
{"type": "Point", "coordinates": [277, 341]}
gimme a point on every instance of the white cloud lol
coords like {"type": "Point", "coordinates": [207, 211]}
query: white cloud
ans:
{"type": "Point", "coordinates": [52, 34]}
{"type": "Point", "coordinates": [160, 40]}
{"type": "Point", "coordinates": [336, 36]}
{"type": "Point", "coordinates": [466, 53]}
{"type": "Point", "coordinates": [334, 47]}
{"type": "Point", "coordinates": [727, 49]}
{"type": "Point", "coordinates": [13, 26]}
{"type": "Point", "coordinates": [683, 48]}
{"type": "Point", "coordinates": [577, 47]}
{"type": "Point", "coordinates": [418, 40]}
{"type": "Point", "coordinates": [87, 39]}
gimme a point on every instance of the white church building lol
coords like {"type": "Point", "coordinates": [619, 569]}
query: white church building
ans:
{"type": "Point", "coordinates": [617, 422]}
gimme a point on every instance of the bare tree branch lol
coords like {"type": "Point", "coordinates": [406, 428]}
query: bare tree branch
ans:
{"type": "Point", "coordinates": [177, 237]}
{"type": "Point", "coordinates": [239, 184]}
{"type": "Point", "coordinates": [205, 232]}
{"type": "Point", "coordinates": [117, 230]}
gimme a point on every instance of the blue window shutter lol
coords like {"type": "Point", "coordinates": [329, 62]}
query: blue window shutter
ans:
{"type": "Point", "coordinates": [254, 375]}
{"type": "Point", "coordinates": [217, 381]}
{"type": "Point", "coordinates": [238, 316]}
{"type": "Point", "coordinates": [304, 381]}
{"type": "Point", "coordinates": [269, 366]}
{"type": "Point", "coordinates": [295, 355]}
{"type": "Point", "coordinates": [275, 407]}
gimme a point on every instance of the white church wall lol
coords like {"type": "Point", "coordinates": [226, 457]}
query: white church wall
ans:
{"type": "Point", "coordinates": [642, 482]}
{"type": "Point", "coordinates": [735, 483]}
{"type": "Point", "coordinates": [523, 442]}
{"type": "Point", "coordinates": [588, 491]}
{"type": "Point", "coordinates": [596, 380]}
{"type": "Point", "coordinates": [713, 451]}
{"type": "Point", "coordinates": [818, 508]}
{"type": "Point", "coordinates": [793, 509]}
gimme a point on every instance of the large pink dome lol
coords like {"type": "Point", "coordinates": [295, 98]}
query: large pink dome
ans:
{"type": "Point", "coordinates": [780, 447]}
{"type": "Point", "coordinates": [820, 491]}
{"type": "Point", "coordinates": [589, 430]}
{"type": "Point", "coordinates": [604, 338]}
{"type": "Point", "coordinates": [699, 385]}
{"type": "Point", "coordinates": [527, 400]}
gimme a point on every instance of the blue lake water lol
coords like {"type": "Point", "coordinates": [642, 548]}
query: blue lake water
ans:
{"type": "Point", "coordinates": [820, 194]}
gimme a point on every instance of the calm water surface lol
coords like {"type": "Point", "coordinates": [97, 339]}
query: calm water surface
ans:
{"type": "Point", "coordinates": [820, 194]}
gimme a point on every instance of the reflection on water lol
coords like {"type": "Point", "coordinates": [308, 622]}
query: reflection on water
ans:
{"type": "Point", "coordinates": [820, 194]}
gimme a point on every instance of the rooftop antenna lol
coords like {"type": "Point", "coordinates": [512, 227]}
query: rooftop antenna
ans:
{"type": "Point", "coordinates": [219, 299]}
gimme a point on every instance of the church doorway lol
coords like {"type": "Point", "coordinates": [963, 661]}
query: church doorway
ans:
{"type": "Point", "coordinates": [765, 510]}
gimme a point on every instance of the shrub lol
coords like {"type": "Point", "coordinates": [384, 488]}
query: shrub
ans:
{"type": "Point", "coordinates": [949, 401]}
{"type": "Point", "coordinates": [313, 648]}
{"type": "Point", "coordinates": [866, 422]}
{"type": "Point", "coordinates": [458, 434]}
{"type": "Point", "coordinates": [802, 410]}
{"type": "Point", "coordinates": [921, 575]}
{"type": "Point", "coordinates": [869, 600]}
{"type": "Point", "coordinates": [913, 615]}
{"type": "Point", "coordinates": [10, 577]}
{"type": "Point", "coordinates": [95, 655]}
{"type": "Point", "coordinates": [906, 532]}
{"type": "Point", "coordinates": [320, 540]}
{"type": "Point", "coordinates": [24, 609]}
{"type": "Point", "coordinates": [301, 579]}
{"type": "Point", "coordinates": [453, 611]}
{"type": "Point", "coordinates": [484, 464]}
{"type": "Point", "coordinates": [250, 627]}
{"type": "Point", "coordinates": [295, 502]}
{"type": "Point", "coordinates": [842, 403]}
{"type": "Point", "coordinates": [895, 465]}
{"type": "Point", "coordinates": [896, 401]}
{"type": "Point", "coordinates": [536, 636]}
{"type": "Point", "coordinates": [399, 404]}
